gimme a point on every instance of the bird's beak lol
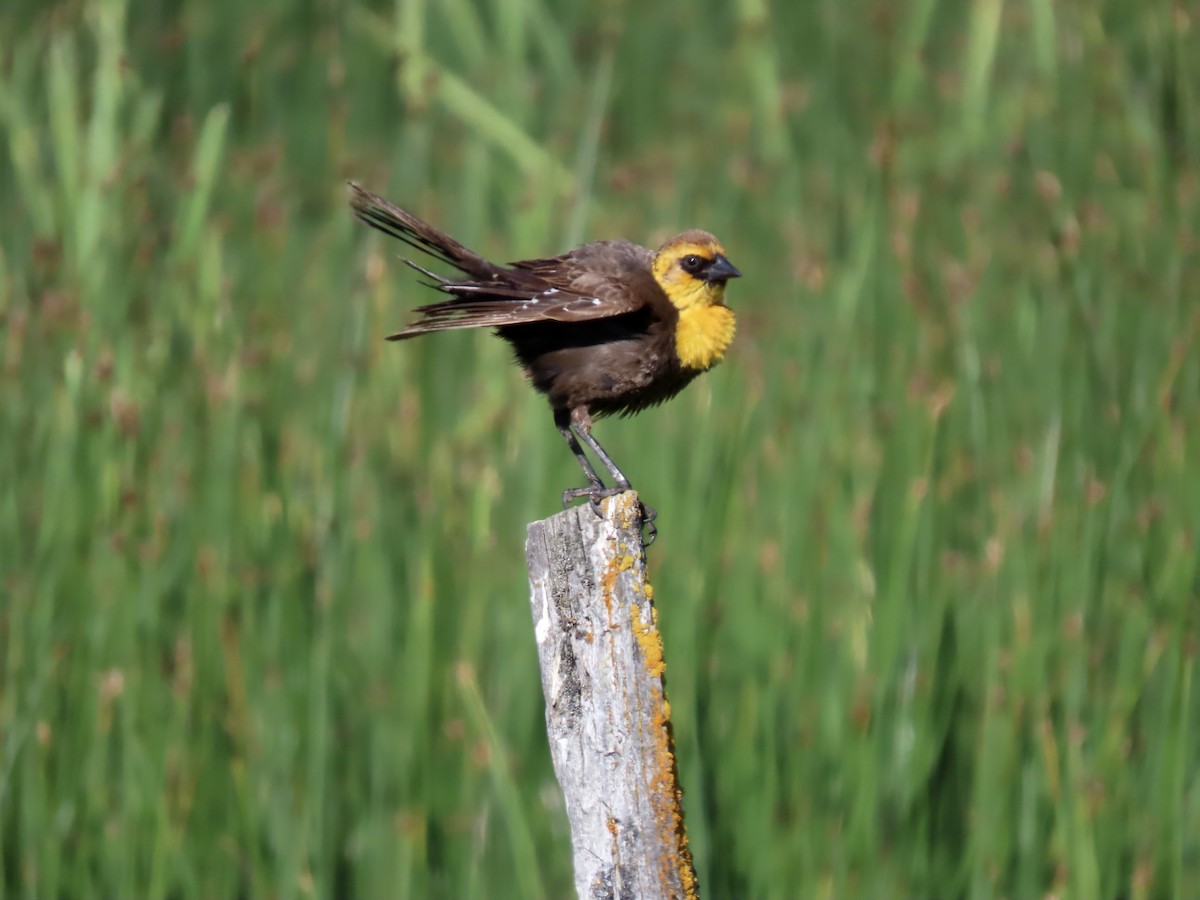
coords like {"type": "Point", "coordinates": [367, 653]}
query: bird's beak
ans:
{"type": "Point", "coordinates": [721, 270]}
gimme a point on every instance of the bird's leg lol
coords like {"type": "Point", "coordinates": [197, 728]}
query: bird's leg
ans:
{"type": "Point", "coordinates": [563, 421]}
{"type": "Point", "coordinates": [582, 425]}
{"type": "Point", "coordinates": [578, 422]}
{"type": "Point", "coordinates": [585, 432]}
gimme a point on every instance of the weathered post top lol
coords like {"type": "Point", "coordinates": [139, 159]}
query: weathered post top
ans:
{"type": "Point", "coordinates": [607, 713]}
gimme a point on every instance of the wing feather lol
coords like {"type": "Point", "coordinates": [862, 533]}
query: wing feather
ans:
{"type": "Point", "coordinates": [598, 281]}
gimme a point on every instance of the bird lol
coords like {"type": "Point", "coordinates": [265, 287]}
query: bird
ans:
{"type": "Point", "coordinates": [609, 328]}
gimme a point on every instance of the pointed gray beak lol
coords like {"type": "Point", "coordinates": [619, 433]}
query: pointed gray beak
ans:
{"type": "Point", "coordinates": [721, 270]}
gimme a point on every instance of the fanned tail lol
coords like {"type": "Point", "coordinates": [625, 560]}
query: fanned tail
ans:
{"type": "Point", "coordinates": [402, 225]}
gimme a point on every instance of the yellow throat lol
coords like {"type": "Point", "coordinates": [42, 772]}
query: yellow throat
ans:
{"type": "Point", "coordinates": [706, 325]}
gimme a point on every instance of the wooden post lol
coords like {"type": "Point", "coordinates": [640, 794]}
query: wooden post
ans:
{"type": "Point", "coordinates": [607, 713]}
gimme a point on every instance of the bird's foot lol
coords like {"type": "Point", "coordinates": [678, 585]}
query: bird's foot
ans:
{"type": "Point", "coordinates": [597, 493]}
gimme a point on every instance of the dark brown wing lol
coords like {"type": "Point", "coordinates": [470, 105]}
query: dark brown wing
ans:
{"type": "Point", "coordinates": [596, 281]}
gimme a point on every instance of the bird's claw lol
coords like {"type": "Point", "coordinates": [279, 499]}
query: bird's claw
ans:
{"type": "Point", "coordinates": [649, 514]}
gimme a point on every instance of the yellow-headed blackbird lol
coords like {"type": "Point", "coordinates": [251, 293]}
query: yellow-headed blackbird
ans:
{"type": "Point", "coordinates": [610, 327]}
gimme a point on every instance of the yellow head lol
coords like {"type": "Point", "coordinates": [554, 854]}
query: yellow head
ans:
{"type": "Point", "coordinates": [692, 270]}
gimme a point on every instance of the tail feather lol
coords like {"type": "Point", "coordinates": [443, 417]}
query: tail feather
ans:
{"type": "Point", "coordinates": [402, 225]}
{"type": "Point", "coordinates": [491, 296]}
{"type": "Point", "coordinates": [438, 279]}
{"type": "Point", "coordinates": [493, 311]}
{"type": "Point", "coordinates": [470, 319]}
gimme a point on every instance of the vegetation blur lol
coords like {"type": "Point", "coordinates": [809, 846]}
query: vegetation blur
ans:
{"type": "Point", "coordinates": [927, 566]}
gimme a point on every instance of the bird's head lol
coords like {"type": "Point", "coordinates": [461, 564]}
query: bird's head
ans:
{"type": "Point", "coordinates": [691, 268]}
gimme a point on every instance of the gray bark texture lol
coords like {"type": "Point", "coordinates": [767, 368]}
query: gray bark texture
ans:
{"type": "Point", "coordinates": [607, 713]}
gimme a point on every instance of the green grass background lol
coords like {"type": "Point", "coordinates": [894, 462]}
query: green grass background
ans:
{"type": "Point", "coordinates": [927, 570]}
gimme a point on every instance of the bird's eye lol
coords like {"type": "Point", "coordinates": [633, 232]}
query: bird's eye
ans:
{"type": "Point", "coordinates": [692, 263]}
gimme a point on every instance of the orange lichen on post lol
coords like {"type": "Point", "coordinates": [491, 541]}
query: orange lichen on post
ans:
{"type": "Point", "coordinates": [650, 641]}
{"type": "Point", "coordinates": [627, 515]}
{"type": "Point", "coordinates": [667, 798]}
{"type": "Point", "coordinates": [619, 564]}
